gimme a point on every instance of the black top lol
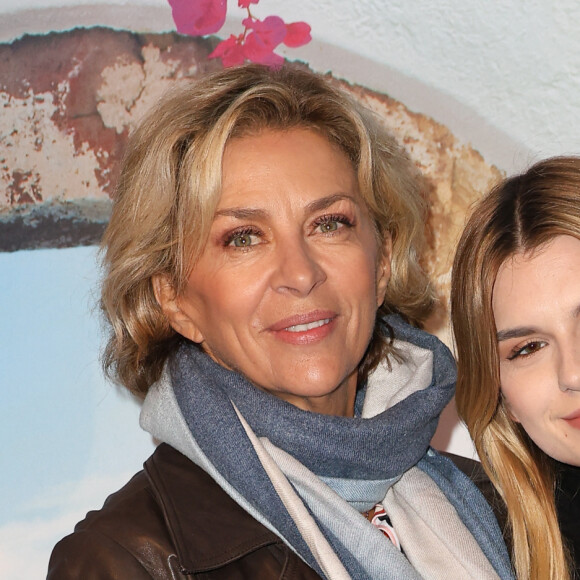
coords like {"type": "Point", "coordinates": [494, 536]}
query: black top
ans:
{"type": "Point", "coordinates": [568, 506]}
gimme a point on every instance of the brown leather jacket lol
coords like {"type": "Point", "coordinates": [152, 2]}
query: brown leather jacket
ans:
{"type": "Point", "coordinates": [172, 521]}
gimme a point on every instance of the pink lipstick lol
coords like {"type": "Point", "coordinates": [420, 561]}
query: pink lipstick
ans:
{"type": "Point", "coordinates": [304, 328]}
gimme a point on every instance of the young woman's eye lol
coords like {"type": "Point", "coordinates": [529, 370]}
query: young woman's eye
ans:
{"type": "Point", "coordinates": [529, 348]}
{"type": "Point", "coordinates": [243, 238]}
{"type": "Point", "coordinates": [329, 224]}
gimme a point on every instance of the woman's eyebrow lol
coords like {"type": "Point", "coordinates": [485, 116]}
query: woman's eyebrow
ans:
{"type": "Point", "coordinates": [520, 331]}
{"type": "Point", "coordinates": [324, 202]}
{"type": "Point", "coordinates": [242, 213]}
{"type": "Point", "coordinates": [517, 332]}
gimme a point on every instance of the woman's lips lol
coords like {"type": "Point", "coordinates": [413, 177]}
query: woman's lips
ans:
{"type": "Point", "coordinates": [573, 419]}
{"type": "Point", "coordinates": [304, 328]}
{"type": "Point", "coordinates": [309, 326]}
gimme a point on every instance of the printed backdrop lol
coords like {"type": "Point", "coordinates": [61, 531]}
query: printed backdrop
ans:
{"type": "Point", "coordinates": [69, 99]}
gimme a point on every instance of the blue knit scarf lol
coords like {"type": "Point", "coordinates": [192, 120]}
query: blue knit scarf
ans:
{"type": "Point", "coordinates": [356, 459]}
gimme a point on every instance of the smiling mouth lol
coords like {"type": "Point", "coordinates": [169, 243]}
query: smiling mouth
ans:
{"type": "Point", "coordinates": [305, 329]}
{"type": "Point", "coordinates": [309, 326]}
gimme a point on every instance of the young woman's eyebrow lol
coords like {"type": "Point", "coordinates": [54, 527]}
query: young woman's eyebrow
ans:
{"type": "Point", "coordinates": [518, 332]}
{"type": "Point", "coordinates": [521, 331]}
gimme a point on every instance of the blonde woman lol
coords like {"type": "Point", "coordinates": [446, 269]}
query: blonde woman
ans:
{"type": "Point", "coordinates": [516, 317]}
{"type": "Point", "coordinates": [264, 294]}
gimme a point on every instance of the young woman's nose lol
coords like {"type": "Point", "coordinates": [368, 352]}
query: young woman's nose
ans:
{"type": "Point", "coordinates": [569, 370]}
{"type": "Point", "coordinates": [297, 269]}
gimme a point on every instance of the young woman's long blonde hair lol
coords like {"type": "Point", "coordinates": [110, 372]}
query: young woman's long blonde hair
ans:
{"type": "Point", "coordinates": [518, 216]}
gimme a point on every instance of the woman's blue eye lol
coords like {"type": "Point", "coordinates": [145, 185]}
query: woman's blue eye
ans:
{"type": "Point", "coordinates": [242, 240]}
{"type": "Point", "coordinates": [332, 223]}
{"type": "Point", "coordinates": [330, 226]}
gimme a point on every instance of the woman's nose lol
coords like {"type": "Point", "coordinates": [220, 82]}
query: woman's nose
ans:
{"type": "Point", "coordinates": [569, 371]}
{"type": "Point", "coordinates": [297, 268]}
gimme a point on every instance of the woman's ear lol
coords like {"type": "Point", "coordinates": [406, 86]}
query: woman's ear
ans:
{"type": "Point", "coordinates": [384, 268]}
{"type": "Point", "coordinates": [168, 300]}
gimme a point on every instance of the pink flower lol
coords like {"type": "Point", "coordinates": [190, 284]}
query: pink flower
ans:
{"type": "Point", "coordinates": [265, 37]}
{"type": "Point", "coordinates": [198, 17]}
{"type": "Point", "coordinates": [258, 51]}
{"type": "Point", "coordinates": [231, 51]}
{"type": "Point", "coordinates": [258, 41]}
{"type": "Point", "coordinates": [271, 30]}
{"type": "Point", "coordinates": [297, 34]}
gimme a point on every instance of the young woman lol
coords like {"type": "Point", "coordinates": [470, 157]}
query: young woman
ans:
{"type": "Point", "coordinates": [516, 317]}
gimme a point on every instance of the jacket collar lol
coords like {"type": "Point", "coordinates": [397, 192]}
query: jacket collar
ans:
{"type": "Point", "coordinates": [208, 528]}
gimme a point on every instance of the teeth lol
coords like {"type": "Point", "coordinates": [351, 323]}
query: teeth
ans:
{"type": "Point", "coordinates": [309, 326]}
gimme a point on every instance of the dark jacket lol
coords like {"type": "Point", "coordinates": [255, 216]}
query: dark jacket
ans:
{"type": "Point", "coordinates": [568, 507]}
{"type": "Point", "coordinates": [173, 521]}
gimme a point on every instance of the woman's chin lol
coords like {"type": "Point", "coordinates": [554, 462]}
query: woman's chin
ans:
{"type": "Point", "coordinates": [329, 396]}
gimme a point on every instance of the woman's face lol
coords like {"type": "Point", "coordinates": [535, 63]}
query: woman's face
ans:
{"type": "Point", "coordinates": [536, 305]}
{"type": "Point", "coordinates": [287, 288]}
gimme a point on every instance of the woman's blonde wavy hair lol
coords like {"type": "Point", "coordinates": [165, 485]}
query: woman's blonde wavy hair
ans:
{"type": "Point", "coordinates": [516, 217]}
{"type": "Point", "coordinates": [169, 188]}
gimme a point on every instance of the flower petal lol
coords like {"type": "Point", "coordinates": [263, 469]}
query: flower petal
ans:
{"type": "Point", "coordinates": [198, 17]}
{"type": "Point", "coordinates": [230, 51]}
{"type": "Point", "coordinates": [271, 30]}
{"type": "Point", "coordinates": [297, 34]}
{"type": "Point", "coordinates": [258, 51]}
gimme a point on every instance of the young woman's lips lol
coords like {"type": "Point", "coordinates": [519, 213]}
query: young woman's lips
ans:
{"type": "Point", "coordinates": [573, 419]}
{"type": "Point", "coordinates": [304, 328]}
